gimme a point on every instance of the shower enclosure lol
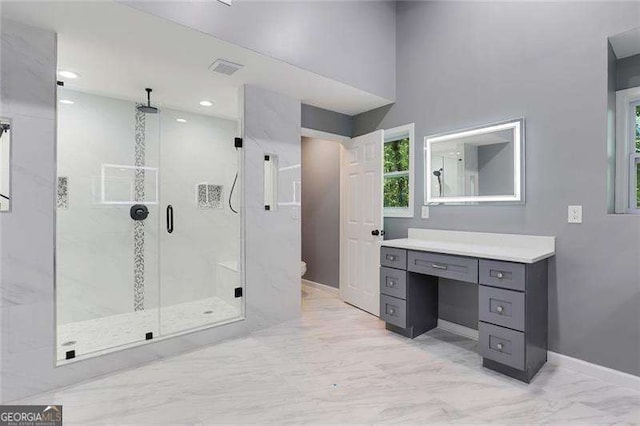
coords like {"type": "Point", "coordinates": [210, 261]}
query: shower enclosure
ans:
{"type": "Point", "coordinates": [148, 224]}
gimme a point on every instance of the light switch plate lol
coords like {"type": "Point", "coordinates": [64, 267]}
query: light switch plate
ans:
{"type": "Point", "coordinates": [425, 212]}
{"type": "Point", "coordinates": [575, 214]}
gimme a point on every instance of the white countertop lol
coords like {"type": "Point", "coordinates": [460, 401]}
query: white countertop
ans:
{"type": "Point", "coordinates": [508, 247]}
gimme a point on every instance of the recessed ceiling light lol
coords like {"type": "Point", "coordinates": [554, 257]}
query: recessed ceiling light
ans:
{"type": "Point", "coordinates": [68, 74]}
{"type": "Point", "coordinates": [66, 101]}
{"type": "Point", "coordinates": [206, 103]}
{"type": "Point", "coordinates": [181, 120]}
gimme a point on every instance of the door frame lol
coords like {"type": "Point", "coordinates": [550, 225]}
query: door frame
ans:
{"type": "Point", "coordinates": [333, 137]}
{"type": "Point", "coordinates": [318, 134]}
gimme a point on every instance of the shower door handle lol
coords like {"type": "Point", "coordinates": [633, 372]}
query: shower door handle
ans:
{"type": "Point", "coordinates": [169, 218]}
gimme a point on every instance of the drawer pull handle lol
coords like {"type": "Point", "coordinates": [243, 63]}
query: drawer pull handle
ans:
{"type": "Point", "coordinates": [391, 283]}
{"type": "Point", "coordinates": [438, 266]}
{"type": "Point", "coordinates": [499, 309]}
{"type": "Point", "coordinates": [391, 257]}
{"type": "Point", "coordinates": [500, 275]}
{"type": "Point", "coordinates": [391, 311]}
{"type": "Point", "coordinates": [499, 346]}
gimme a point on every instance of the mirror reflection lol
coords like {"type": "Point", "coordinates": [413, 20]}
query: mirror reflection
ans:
{"type": "Point", "coordinates": [270, 182]}
{"type": "Point", "coordinates": [5, 165]}
{"type": "Point", "coordinates": [475, 165]}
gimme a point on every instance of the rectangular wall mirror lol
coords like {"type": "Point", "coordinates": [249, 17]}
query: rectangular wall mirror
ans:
{"type": "Point", "coordinates": [483, 164]}
{"type": "Point", "coordinates": [270, 182]}
{"type": "Point", "coordinates": [5, 165]}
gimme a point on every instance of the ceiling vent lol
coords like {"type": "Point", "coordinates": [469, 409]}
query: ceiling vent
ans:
{"type": "Point", "coordinates": [225, 67]}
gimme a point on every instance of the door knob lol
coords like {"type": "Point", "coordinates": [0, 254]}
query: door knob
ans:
{"type": "Point", "coordinates": [375, 232]}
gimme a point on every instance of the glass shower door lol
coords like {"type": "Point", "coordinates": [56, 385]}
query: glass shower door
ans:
{"type": "Point", "coordinates": [200, 235]}
{"type": "Point", "coordinates": [148, 223]}
{"type": "Point", "coordinates": [106, 224]}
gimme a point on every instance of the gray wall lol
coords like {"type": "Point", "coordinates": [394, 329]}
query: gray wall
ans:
{"type": "Point", "coordinates": [326, 121]}
{"type": "Point", "coordinates": [628, 72]}
{"type": "Point", "coordinates": [349, 41]}
{"type": "Point", "coordinates": [27, 303]}
{"type": "Point", "coordinates": [321, 210]}
{"type": "Point", "coordinates": [546, 62]}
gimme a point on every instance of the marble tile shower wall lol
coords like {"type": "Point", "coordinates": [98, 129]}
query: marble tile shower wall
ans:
{"type": "Point", "coordinates": [273, 238]}
{"type": "Point", "coordinates": [27, 339]}
{"type": "Point", "coordinates": [27, 97]}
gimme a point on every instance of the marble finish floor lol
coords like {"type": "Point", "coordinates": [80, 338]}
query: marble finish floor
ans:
{"type": "Point", "coordinates": [338, 364]}
{"type": "Point", "coordinates": [98, 334]}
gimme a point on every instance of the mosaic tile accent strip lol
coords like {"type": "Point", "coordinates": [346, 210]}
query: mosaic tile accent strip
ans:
{"type": "Point", "coordinates": [138, 266]}
{"type": "Point", "coordinates": [201, 190]}
{"type": "Point", "coordinates": [214, 196]}
{"type": "Point", "coordinates": [139, 156]}
{"type": "Point", "coordinates": [138, 232]}
{"type": "Point", "coordinates": [62, 199]}
{"type": "Point", "coordinates": [209, 196]}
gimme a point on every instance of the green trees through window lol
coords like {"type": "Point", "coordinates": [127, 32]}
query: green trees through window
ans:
{"type": "Point", "coordinates": [396, 173]}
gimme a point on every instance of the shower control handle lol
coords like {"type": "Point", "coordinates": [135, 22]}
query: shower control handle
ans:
{"type": "Point", "coordinates": [138, 212]}
{"type": "Point", "coordinates": [169, 218]}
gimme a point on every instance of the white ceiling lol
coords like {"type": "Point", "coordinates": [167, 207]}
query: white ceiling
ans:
{"type": "Point", "coordinates": [626, 44]}
{"type": "Point", "coordinates": [118, 51]}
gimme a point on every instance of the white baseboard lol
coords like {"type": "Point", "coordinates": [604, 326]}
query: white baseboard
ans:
{"type": "Point", "coordinates": [322, 287]}
{"type": "Point", "coordinates": [610, 375]}
{"type": "Point", "coordinates": [618, 378]}
{"type": "Point", "coordinates": [458, 329]}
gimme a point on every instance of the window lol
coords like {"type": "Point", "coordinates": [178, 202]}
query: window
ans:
{"type": "Point", "coordinates": [627, 195]}
{"type": "Point", "coordinates": [398, 171]}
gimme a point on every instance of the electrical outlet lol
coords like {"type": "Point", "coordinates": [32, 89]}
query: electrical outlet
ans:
{"type": "Point", "coordinates": [425, 212]}
{"type": "Point", "coordinates": [575, 214]}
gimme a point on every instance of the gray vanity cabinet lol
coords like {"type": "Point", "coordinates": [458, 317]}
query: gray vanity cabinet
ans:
{"type": "Point", "coordinates": [512, 305]}
{"type": "Point", "coordinates": [513, 312]}
{"type": "Point", "coordinates": [408, 302]}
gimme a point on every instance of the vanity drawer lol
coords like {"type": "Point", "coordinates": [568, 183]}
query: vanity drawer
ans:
{"type": "Point", "coordinates": [393, 282]}
{"type": "Point", "coordinates": [501, 307]}
{"type": "Point", "coordinates": [443, 265]}
{"type": "Point", "coordinates": [393, 257]}
{"type": "Point", "coordinates": [393, 310]}
{"type": "Point", "coordinates": [502, 345]}
{"type": "Point", "coordinates": [502, 274]}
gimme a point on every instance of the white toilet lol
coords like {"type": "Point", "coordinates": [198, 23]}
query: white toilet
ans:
{"type": "Point", "coordinates": [303, 268]}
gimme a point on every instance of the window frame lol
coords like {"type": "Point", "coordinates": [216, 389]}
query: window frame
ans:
{"type": "Point", "coordinates": [633, 183]}
{"type": "Point", "coordinates": [390, 135]}
{"type": "Point", "coordinates": [626, 156]}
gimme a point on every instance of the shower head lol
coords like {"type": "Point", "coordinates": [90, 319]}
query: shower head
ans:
{"type": "Point", "coordinates": [148, 109]}
{"type": "Point", "coordinates": [4, 127]}
{"type": "Point", "coordinates": [437, 173]}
